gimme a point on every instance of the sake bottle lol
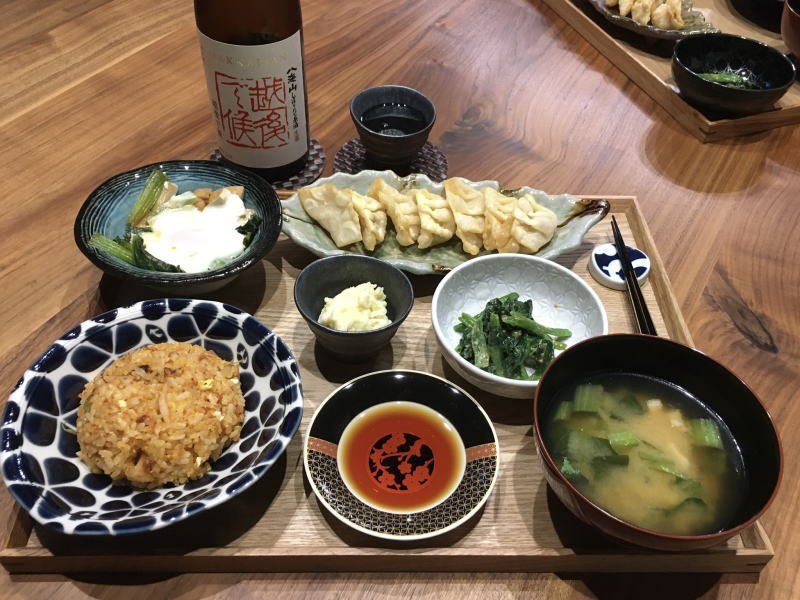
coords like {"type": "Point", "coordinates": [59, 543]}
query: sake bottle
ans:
{"type": "Point", "coordinates": [253, 57]}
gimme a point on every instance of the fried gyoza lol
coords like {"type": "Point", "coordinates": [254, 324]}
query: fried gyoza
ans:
{"type": "Point", "coordinates": [674, 9]}
{"type": "Point", "coordinates": [534, 224]}
{"type": "Point", "coordinates": [401, 208]}
{"type": "Point", "coordinates": [372, 218]}
{"type": "Point", "coordinates": [437, 224]}
{"type": "Point", "coordinates": [333, 209]}
{"type": "Point", "coordinates": [640, 11]}
{"type": "Point", "coordinates": [499, 219]}
{"type": "Point", "coordinates": [467, 205]}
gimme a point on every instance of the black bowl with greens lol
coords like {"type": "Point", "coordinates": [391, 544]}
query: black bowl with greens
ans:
{"type": "Point", "coordinates": [729, 75]}
{"type": "Point", "coordinates": [109, 227]}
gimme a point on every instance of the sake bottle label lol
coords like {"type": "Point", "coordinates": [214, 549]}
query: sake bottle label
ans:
{"type": "Point", "coordinates": [257, 98]}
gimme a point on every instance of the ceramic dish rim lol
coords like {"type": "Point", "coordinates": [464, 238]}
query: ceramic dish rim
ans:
{"type": "Point", "coordinates": [132, 312]}
{"type": "Point", "coordinates": [480, 373]}
{"type": "Point", "coordinates": [547, 457]}
{"type": "Point", "coordinates": [249, 257]}
{"type": "Point", "coordinates": [478, 506]}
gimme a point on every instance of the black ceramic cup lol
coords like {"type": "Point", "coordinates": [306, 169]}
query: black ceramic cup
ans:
{"type": "Point", "coordinates": [326, 277]}
{"type": "Point", "coordinates": [393, 122]}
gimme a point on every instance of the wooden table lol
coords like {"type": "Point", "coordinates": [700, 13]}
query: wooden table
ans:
{"type": "Point", "coordinates": [93, 87]}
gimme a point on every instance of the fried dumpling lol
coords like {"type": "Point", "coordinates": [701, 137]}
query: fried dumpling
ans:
{"type": "Point", "coordinates": [468, 206]}
{"type": "Point", "coordinates": [660, 17]}
{"type": "Point", "coordinates": [534, 225]}
{"type": "Point", "coordinates": [499, 211]}
{"type": "Point", "coordinates": [437, 224]}
{"type": "Point", "coordinates": [640, 11]}
{"type": "Point", "coordinates": [625, 7]}
{"type": "Point", "coordinates": [332, 209]}
{"type": "Point", "coordinates": [674, 10]}
{"type": "Point", "coordinates": [371, 217]}
{"type": "Point", "coordinates": [401, 208]}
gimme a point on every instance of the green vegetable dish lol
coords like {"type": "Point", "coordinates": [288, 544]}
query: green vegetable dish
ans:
{"type": "Point", "coordinates": [505, 340]}
{"type": "Point", "coordinates": [648, 453]}
{"type": "Point", "coordinates": [731, 79]}
{"type": "Point", "coordinates": [191, 232]}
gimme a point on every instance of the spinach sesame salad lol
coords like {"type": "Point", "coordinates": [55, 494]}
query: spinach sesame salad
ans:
{"type": "Point", "coordinates": [505, 340]}
{"type": "Point", "coordinates": [189, 232]}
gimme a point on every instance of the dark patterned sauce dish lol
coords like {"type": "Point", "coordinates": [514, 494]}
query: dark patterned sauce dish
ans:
{"type": "Point", "coordinates": [38, 442]}
{"type": "Point", "coordinates": [401, 455]}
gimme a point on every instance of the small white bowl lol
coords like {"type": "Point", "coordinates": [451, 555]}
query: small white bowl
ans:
{"type": "Point", "coordinates": [560, 299]}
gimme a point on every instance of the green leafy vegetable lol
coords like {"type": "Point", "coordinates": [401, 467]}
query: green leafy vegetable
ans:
{"type": "Point", "coordinates": [587, 398]}
{"type": "Point", "coordinates": [622, 441]}
{"type": "Point", "coordinates": [730, 79]}
{"type": "Point", "coordinates": [144, 260]}
{"type": "Point", "coordinates": [147, 197]}
{"type": "Point", "coordinates": [571, 472]}
{"type": "Point", "coordinates": [505, 340]}
{"type": "Point", "coordinates": [627, 406]}
{"type": "Point", "coordinates": [249, 229]}
{"type": "Point", "coordinates": [119, 249]}
{"type": "Point", "coordinates": [688, 504]}
{"type": "Point", "coordinates": [705, 433]}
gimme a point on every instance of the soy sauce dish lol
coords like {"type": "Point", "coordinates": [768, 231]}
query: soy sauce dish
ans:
{"type": "Point", "coordinates": [401, 455]}
{"type": "Point", "coordinates": [654, 443]}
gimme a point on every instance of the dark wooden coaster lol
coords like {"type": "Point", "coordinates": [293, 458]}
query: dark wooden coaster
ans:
{"type": "Point", "coordinates": [310, 173]}
{"type": "Point", "coordinates": [351, 158]}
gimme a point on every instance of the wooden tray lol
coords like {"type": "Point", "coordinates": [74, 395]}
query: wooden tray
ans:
{"type": "Point", "coordinates": [277, 525]}
{"type": "Point", "coordinates": [648, 63]}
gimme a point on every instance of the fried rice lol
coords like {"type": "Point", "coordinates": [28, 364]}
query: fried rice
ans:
{"type": "Point", "coordinates": [160, 414]}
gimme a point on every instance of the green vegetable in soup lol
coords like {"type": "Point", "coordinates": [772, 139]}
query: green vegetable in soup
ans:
{"type": "Point", "coordinates": [571, 473]}
{"type": "Point", "coordinates": [505, 340]}
{"type": "Point", "coordinates": [587, 398]}
{"type": "Point", "coordinates": [626, 406]}
{"type": "Point", "coordinates": [622, 441]}
{"type": "Point", "coordinates": [641, 457]}
{"type": "Point", "coordinates": [705, 433]}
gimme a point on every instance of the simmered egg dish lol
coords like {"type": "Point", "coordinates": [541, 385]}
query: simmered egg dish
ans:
{"type": "Point", "coordinates": [190, 232]}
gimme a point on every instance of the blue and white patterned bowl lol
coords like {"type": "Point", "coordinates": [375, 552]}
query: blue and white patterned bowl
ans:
{"type": "Point", "coordinates": [38, 444]}
{"type": "Point", "coordinates": [107, 208]}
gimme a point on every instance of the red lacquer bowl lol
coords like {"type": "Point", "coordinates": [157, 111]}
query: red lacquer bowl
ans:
{"type": "Point", "coordinates": [701, 376]}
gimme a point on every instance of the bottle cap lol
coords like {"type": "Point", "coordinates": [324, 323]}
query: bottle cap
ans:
{"type": "Point", "coordinates": [606, 267]}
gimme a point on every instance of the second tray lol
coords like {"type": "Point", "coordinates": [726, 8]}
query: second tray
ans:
{"type": "Point", "coordinates": [647, 62]}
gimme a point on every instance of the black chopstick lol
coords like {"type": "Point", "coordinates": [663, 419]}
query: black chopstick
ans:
{"type": "Point", "coordinates": [643, 319]}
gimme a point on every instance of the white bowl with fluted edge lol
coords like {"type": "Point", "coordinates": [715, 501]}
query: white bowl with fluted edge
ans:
{"type": "Point", "coordinates": [560, 299]}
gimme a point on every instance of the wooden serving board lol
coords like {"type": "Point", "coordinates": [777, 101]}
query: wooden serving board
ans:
{"type": "Point", "coordinates": [278, 525]}
{"type": "Point", "coordinates": [647, 62]}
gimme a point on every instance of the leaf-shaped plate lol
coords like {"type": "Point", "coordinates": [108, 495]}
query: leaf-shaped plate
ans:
{"type": "Point", "coordinates": [575, 217]}
{"type": "Point", "coordinates": [693, 22]}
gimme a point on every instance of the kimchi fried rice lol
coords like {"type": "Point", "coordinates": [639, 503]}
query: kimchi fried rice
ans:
{"type": "Point", "coordinates": [160, 414]}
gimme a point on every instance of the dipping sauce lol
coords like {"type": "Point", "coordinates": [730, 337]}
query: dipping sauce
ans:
{"type": "Point", "coordinates": [647, 452]}
{"type": "Point", "coordinates": [358, 308]}
{"type": "Point", "coordinates": [401, 457]}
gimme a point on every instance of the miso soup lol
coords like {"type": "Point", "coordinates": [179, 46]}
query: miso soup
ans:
{"type": "Point", "coordinates": [648, 453]}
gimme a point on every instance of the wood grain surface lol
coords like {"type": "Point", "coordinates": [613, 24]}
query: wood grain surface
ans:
{"type": "Point", "coordinates": [94, 87]}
